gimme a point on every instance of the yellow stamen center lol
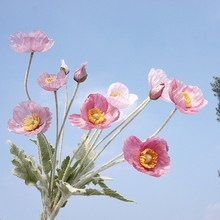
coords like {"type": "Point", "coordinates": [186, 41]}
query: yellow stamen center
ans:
{"type": "Point", "coordinates": [49, 80]}
{"type": "Point", "coordinates": [31, 122]}
{"type": "Point", "coordinates": [95, 116]}
{"type": "Point", "coordinates": [115, 94]}
{"type": "Point", "coordinates": [148, 158]}
{"type": "Point", "coordinates": [187, 99]}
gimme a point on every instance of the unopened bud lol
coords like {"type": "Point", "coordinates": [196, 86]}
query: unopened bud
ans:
{"type": "Point", "coordinates": [80, 75]}
{"type": "Point", "coordinates": [156, 92]}
{"type": "Point", "coordinates": [64, 67]}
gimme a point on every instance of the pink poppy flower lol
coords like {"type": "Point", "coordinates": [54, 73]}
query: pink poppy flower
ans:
{"type": "Point", "coordinates": [150, 156]}
{"type": "Point", "coordinates": [35, 41]}
{"type": "Point", "coordinates": [80, 75]}
{"type": "Point", "coordinates": [118, 95]}
{"type": "Point", "coordinates": [30, 119]}
{"type": "Point", "coordinates": [188, 99]}
{"type": "Point", "coordinates": [96, 112]}
{"type": "Point", "coordinates": [52, 82]}
{"type": "Point", "coordinates": [159, 84]}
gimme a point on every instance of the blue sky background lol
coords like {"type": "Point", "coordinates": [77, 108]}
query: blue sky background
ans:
{"type": "Point", "coordinates": [121, 40]}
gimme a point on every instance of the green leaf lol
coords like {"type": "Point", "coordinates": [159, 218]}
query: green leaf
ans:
{"type": "Point", "coordinates": [71, 171]}
{"type": "Point", "coordinates": [45, 152]}
{"type": "Point", "coordinates": [83, 149]}
{"type": "Point", "coordinates": [25, 167]}
{"type": "Point", "coordinates": [114, 194]}
{"type": "Point", "coordinates": [106, 190]}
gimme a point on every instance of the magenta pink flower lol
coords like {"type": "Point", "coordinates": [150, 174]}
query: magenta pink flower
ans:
{"type": "Point", "coordinates": [35, 41]}
{"type": "Point", "coordinates": [52, 82]}
{"type": "Point", "coordinates": [30, 119]}
{"type": "Point", "coordinates": [96, 112]}
{"type": "Point", "coordinates": [118, 95]}
{"type": "Point", "coordinates": [188, 99]}
{"type": "Point", "coordinates": [159, 84]}
{"type": "Point", "coordinates": [150, 156]}
{"type": "Point", "coordinates": [80, 75]}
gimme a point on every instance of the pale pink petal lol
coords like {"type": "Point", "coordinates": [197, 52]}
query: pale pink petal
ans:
{"type": "Point", "coordinates": [29, 108]}
{"type": "Point", "coordinates": [118, 95]}
{"type": "Point", "coordinates": [159, 83]}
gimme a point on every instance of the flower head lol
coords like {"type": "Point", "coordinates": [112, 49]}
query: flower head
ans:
{"type": "Point", "coordinates": [80, 75]}
{"type": "Point", "coordinates": [35, 41]}
{"type": "Point", "coordinates": [52, 82]}
{"type": "Point", "coordinates": [64, 67]}
{"type": "Point", "coordinates": [150, 156]}
{"type": "Point", "coordinates": [96, 112]}
{"type": "Point", "coordinates": [188, 99]}
{"type": "Point", "coordinates": [159, 84]}
{"type": "Point", "coordinates": [118, 95]}
{"type": "Point", "coordinates": [30, 119]}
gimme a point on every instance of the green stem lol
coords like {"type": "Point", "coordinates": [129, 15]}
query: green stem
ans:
{"type": "Point", "coordinates": [67, 111]}
{"type": "Point", "coordinates": [104, 167]}
{"type": "Point", "coordinates": [27, 74]}
{"type": "Point", "coordinates": [164, 124]}
{"type": "Point", "coordinates": [132, 115]}
{"type": "Point", "coordinates": [56, 145]}
{"type": "Point", "coordinates": [62, 134]}
{"type": "Point", "coordinates": [68, 166]}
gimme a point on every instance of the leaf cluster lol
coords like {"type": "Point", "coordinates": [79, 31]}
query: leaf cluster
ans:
{"type": "Point", "coordinates": [216, 89]}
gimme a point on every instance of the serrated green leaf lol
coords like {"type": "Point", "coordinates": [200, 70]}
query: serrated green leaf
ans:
{"type": "Point", "coordinates": [45, 152]}
{"type": "Point", "coordinates": [85, 149]}
{"type": "Point", "coordinates": [70, 174]}
{"type": "Point", "coordinates": [114, 194]}
{"type": "Point", "coordinates": [25, 167]}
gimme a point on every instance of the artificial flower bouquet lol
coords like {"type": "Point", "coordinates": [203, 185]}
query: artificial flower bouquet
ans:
{"type": "Point", "coordinates": [101, 116]}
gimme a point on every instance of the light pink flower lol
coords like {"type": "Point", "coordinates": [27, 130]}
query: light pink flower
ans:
{"type": "Point", "coordinates": [150, 156]}
{"type": "Point", "coordinates": [64, 67]}
{"type": "Point", "coordinates": [35, 41]}
{"type": "Point", "coordinates": [159, 83]}
{"type": "Point", "coordinates": [80, 75]}
{"type": "Point", "coordinates": [118, 95]}
{"type": "Point", "coordinates": [188, 99]}
{"type": "Point", "coordinates": [52, 82]}
{"type": "Point", "coordinates": [96, 112]}
{"type": "Point", "coordinates": [30, 119]}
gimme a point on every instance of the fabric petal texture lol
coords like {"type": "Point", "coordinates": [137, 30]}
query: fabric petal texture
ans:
{"type": "Point", "coordinates": [159, 83]}
{"type": "Point", "coordinates": [118, 95]}
{"type": "Point", "coordinates": [150, 156]}
{"type": "Point", "coordinates": [35, 41]}
{"type": "Point", "coordinates": [30, 119]}
{"type": "Point", "coordinates": [52, 82]}
{"type": "Point", "coordinates": [187, 99]}
{"type": "Point", "coordinates": [96, 112]}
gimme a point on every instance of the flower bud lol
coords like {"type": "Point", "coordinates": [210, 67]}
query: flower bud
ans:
{"type": "Point", "coordinates": [156, 92]}
{"type": "Point", "coordinates": [80, 75]}
{"type": "Point", "coordinates": [64, 67]}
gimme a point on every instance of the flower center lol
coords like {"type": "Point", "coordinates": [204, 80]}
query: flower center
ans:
{"type": "Point", "coordinates": [51, 79]}
{"type": "Point", "coordinates": [31, 122]}
{"type": "Point", "coordinates": [95, 116]}
{"type": "Point", "coordinates": [115, 94]}
{"type": "Point", "coordinates": [187, 99]}
{"type": "Point", "coordinates": [148, 158]}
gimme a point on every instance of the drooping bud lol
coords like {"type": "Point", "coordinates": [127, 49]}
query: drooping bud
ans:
{"type": "Point", "coordinates": [80, 75]}
{"type": "Point", "coordinates": [156, 92]}
{"type": "Point", "coordinates": [64, 67]}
